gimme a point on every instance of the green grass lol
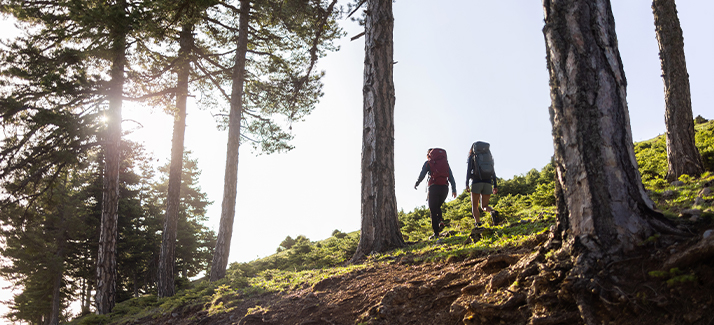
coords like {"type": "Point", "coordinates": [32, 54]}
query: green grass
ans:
{"type": "Point", "coordinates": [526, 203]}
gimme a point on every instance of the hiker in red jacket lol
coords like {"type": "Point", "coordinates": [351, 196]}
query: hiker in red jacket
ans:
{"type": "Point", "coordinates": [439, 176]}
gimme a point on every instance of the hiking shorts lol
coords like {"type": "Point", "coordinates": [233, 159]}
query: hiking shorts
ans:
{"type": "Point", "coordinates": [482, 188]}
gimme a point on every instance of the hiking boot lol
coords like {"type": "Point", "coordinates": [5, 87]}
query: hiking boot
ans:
{"type": "Point", "coordinates": [441, 226]}
{"type": "Point", "coordinates": [433, 236]}
{"type": "Point", "coordinates": [478, 225]}
{"type": "Point", "coordinates": [495, 217]}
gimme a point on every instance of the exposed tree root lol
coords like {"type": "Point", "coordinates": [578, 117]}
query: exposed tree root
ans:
{"type": "Point", "coordinates": [699, 252]}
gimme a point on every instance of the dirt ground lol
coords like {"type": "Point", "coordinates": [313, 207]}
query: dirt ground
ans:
{"type": "Point", "coordinates": [527, 285]}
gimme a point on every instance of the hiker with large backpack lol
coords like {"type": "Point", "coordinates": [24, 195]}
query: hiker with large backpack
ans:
{"type": "Point", "coordinates": [437, 166]}
{"type": "Point", "coordinates": [483, 180]}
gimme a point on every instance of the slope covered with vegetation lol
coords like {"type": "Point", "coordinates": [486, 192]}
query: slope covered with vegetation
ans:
{"type": "Point", "coordinates": [464, 277]}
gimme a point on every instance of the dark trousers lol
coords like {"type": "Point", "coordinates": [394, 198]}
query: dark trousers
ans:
{"type": "Point", "coordinates": [437, 196]}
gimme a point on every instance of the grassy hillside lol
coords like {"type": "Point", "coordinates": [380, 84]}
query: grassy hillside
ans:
{"type": "Point", "coordinates": [526, 201]}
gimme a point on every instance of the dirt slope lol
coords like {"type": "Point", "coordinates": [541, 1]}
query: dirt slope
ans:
{"type": "Point", "coordinates": [527, 285]}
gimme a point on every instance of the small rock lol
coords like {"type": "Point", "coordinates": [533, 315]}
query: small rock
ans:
{"type": "Point", "coordinates": [705, 192]}
{"type": "Point", "coordinates": [174, 314]}
{"type": "Point", "coordinates": [692, 317]}
{"type": "Point", "coordinates": [677, 183]}
{"type": "Point", "coordinates": [667, 194]}
{"type": "Point", "coordinates": [691, 212]}
{"type": "Point", "coordinates": [694, 218]}
{"type": "Point", "coordinates": [699, 201]}
{"type": "Point", "coordinates": [707, 234]}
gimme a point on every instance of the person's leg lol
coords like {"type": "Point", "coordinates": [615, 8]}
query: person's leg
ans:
{"type": "Point", "coordinates": [475, 199]}
{"type": "Point", "coordinates": [435, 201]}
{"type": "Point", "coordinates": [486, 208]}
{"type": "Point", "coordinates": [437, 196]}
{"type": "Point", "coordinates": [484, 202]}
{"type": "Point", "coordinates": [443, 194]}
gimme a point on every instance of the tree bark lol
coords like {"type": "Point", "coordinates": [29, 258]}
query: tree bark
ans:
{"type": "Point", "coordinates": [106, 260]}
{"type": "Point", "coordinates": [380, 228]}
{"type": "Point", "coordinates": [603, 209]}
{"type": "Point", "coordinates": [682, 154]}
{"type": "Point", "coordinates": [606, 204]}
{"type": "Point", "coordinates": [167, 260]}
{"type": "Point", "coordinates": [230, 181]}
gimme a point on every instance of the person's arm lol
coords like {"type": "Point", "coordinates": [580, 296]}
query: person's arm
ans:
{"type": "Point", "coordinates": [470, 166]}
{"type": "Point", "coordinates": [453, 182]}
{"type": "Point", "coordinates": [495, 183]}
{"type": "Point", "coordinates": [424, 170]}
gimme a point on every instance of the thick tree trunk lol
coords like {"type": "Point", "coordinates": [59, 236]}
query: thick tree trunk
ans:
{"type": "Point", "coordinates": [106, 260]}
{"type": "Point", "coordinates": [167, 260]}
{"type": "Point", "coordinates": [682, 154]}
{"type": "Point", "coordinates": [380, 228]}
{"type": "Point", "coordinates": [230, 181]}
{"type": "Point", "coordinates": [603, 209]}
{"type": "Point", "coordinates": [607, 207]}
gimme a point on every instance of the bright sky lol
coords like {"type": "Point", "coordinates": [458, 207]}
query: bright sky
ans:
{"type": "Point", "coordinates": [466, 71]}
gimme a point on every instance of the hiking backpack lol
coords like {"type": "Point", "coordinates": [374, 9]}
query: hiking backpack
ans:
{"type": "Point", "coordinates": [438, 166]}
{"type": "Point", "coordinates": [483, 161]}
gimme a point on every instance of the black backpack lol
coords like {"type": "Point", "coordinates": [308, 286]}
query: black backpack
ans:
{"type": "Point", "coordinates": [483, 161]}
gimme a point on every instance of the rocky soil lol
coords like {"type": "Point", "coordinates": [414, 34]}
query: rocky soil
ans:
{"type": "Point", "coordinates": [668, 281]}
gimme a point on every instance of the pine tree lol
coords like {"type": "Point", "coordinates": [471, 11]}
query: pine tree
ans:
{"type": "Point", "coordinates": [380, 228]}
{"type": "Point", "coordinates": [94, 34]}
{"type": "Point", "coordinates": [194, 241]}
{"type": "Point", "coordinates": [270, 75]}
{"type": "Point", "coordinates": [602, 207]}
{"type": "Point", "coordinates": [683, 157]}
{"type": "Point", "coordinates": [41, 239]}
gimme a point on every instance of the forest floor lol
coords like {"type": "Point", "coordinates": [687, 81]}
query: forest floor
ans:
{"type": "Point", "coordinates": [528, 284]}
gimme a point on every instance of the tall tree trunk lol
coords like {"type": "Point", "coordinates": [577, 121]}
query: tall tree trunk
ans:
{"type": "Point", "coordinates": [167, 260]}
{"type": "Point", "coordinates": [380, 228]}
{"type": "Point", "coordinates": [682, 154]}
{"type": "Point", "coordinates": [601, 201]}
{"type": "Point", "coordinates": [609, 211]}
{"type": "Point", "coordinates": [230, 181]}
{"type": "Point", "coordinates": [106, 260]}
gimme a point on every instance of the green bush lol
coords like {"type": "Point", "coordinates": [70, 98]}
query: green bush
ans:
{"type": "Point", "coordinates": [704, 139]}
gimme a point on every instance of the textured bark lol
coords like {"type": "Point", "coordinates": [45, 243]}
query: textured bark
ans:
{"type": "Point", "coordinates": [682, 154]}
{"type": "Point", "coordinates": [106, 259]}
{"type": "Point", "coordinates": [167, 260]}
{"type": "Point", "coordinates": [380, 229]}
{"type": "Point", "coordinates": [608, 209]}
{"type": "Point", "coordinates": [230, 181]}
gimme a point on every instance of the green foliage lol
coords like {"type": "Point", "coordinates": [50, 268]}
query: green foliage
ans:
{"type": "Point", "coordinates": [652, 161]}
{"type": "Point", "coordinates": [526, 203]}
{"type": "Point", "coordinates": [281, 84]}
{"type": "Point", "coordinates": [674, 277]}
{"type": "Point", "coordinates": [195, 242]}
{"type": "Point", "coordinates": [302, 254]}
{"type": "Point", "coordinates": [517, 198]}
{"type": "Point", "coordinates": [652, 155]}
{"type": "Point", "coordinates": [704, 139]}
